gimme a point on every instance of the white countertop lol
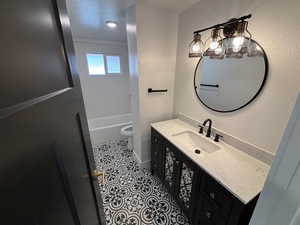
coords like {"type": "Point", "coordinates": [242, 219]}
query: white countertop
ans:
{"type": "Point", "coordinates": [241, 174]}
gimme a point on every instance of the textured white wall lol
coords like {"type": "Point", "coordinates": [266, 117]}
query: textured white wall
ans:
{"type": "Point", "coordinates": [275, 25]}
{"type": "Point", "coordinates": [103, 95]}
{"type": "Point", "coordinates": [134, 79]}
{"type": "Point", "coordinates": [157, 41]}
{"type": "Point", "coordinates": [156, 32]}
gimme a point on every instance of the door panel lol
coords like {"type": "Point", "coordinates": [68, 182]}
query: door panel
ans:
{"type": "Point", "coordinates": [75, 149]}
{"type": "Point", "coordinates": [26, 139]}
{"type": "Point", "coordinates": [46, 154]}
{"type": "Point", "coordinates": [32, 40]}
{"type": "Point", "coordinates": [32, 184]}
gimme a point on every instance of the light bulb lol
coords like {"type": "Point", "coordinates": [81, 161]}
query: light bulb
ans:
{"type": "Point", "coordinates": [214, 45]}
{"type": "Point", "coordinates": [111, 24]}
{"type": "Point", "coordinates": [218, 50]}
{"type": "Point", "coordinates": [196, 47]}
{"type": "Point", "coordinates": [236, 48]}
{"type": "Point", "coordinates": [238, 41]}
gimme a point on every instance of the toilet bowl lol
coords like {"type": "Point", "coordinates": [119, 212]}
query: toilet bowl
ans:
{"type": "Point", "coordinates": [128, 132]}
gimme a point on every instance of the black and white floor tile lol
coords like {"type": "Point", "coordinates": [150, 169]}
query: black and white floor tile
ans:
{"type": "Point", "coordinates": [132, 196]}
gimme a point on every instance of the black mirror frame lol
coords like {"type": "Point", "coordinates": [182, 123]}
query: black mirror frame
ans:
{"type": "Point", "coordinates": [257, 93]}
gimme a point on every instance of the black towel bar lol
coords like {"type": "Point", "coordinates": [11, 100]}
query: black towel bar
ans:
{"type": "Point", "coordinates": [210, 85]}
{"type": "Point", "coordinates": [150, 90]}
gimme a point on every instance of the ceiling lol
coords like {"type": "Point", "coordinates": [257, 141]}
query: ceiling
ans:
{"type": "Point", "coordinates": [176, 6]}
{"type": "Point", "coordinates": [88, 17]}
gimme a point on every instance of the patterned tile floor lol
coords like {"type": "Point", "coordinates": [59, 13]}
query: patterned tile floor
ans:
{"type": "Point", "coordinates": [132, 196]}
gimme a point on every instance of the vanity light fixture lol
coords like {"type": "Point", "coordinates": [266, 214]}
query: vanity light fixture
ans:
{"type": "Point", "coordinates": [111, 24]}
{"type": "Point", "coordinates": [234, 43]}
{"type": "Point", "coordinates": [238, 41]}
{"type": "Point", "coordinates": [196, 47]}
{"type": "Point", "coordinates": [239, 44]}
{"type": "Point", "coordinates": [215, 38]}
{"type": "Point", "coordinates": [216, 49]}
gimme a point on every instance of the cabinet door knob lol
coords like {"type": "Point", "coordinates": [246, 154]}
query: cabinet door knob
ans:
{"type": "Point", "coordinates": [208, 215]}
{"type": "Point", "coordinates": [212, 195]}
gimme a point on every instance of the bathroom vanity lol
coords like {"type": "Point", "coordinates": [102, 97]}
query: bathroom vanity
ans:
{"type": "Point", "coordinates": [213, 183]}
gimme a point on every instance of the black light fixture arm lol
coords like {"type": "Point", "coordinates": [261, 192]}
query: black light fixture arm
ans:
{"type": "Point", "coordinates": [221, 25]}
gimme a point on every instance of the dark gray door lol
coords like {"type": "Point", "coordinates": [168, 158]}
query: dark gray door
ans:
{"type": "Point", "coordinates": [46, 155]}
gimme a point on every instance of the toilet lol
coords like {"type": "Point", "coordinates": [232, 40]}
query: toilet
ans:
{"type": "Point", "coordinates": [128, 132]}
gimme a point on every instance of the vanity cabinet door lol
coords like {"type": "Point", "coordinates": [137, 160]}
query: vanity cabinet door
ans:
{"type": "Point", "coordinates": [218, 196]}
{"type": "Point", "coordinates": [217, 206]}
{"type": "Point", "coordinates": [189, 178]}
{"type": "Point", "coordinates": [170, 167]}
{"type": "Point", "coordinates": [214, 204]}
{"type": "Point", "coordinates": [157, 151]}
{"type": "Point", "coordinates": [211, 213]}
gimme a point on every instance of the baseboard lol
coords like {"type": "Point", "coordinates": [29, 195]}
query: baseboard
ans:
{"type": "Point", "coordinates": [145, 164]}
{"type": "Point", "coordinates": [142, 164]}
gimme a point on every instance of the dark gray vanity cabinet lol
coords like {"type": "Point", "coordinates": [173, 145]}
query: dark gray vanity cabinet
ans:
{"type": "Point", "coordinates": [200, 196]}
{"type": "Point", "coordinates": [217, 206]}
{"type": "Point", "coordinates": [178, 173]}
{"type": "Point", "coordinates": [170, 167]}
{"type": "Point", "coordinates": [164, 161]}
{"type": "Point", "coordinates": [189, 178]}
{"type": "Point", "coordinates": [157, 154]}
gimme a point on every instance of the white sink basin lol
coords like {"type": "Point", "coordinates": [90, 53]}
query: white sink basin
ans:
{"type": "Point", "coordinates": [195, 141]}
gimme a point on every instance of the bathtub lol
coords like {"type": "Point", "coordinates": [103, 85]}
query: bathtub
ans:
{"type": "Point", "coordinates": [108, 128]}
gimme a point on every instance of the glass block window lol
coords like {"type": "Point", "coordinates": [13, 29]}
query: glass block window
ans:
{"type": "Point", "coordinates": [96, 64]}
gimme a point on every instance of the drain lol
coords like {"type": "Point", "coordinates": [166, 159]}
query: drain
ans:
{"type": "Point", "coordinates": [197, 151]}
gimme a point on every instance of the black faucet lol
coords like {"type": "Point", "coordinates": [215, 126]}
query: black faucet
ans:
{"type": "Point", "coordinates": [208, 132]}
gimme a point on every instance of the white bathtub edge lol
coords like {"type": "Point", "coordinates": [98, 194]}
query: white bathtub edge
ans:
{"type": "Point", "coordinates": [103, 129]}
{"type": "Point", "coordinates": [111, 126]}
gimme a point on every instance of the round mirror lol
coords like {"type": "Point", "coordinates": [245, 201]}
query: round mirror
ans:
{"type": "Point", "coordinates": [226, 84]}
